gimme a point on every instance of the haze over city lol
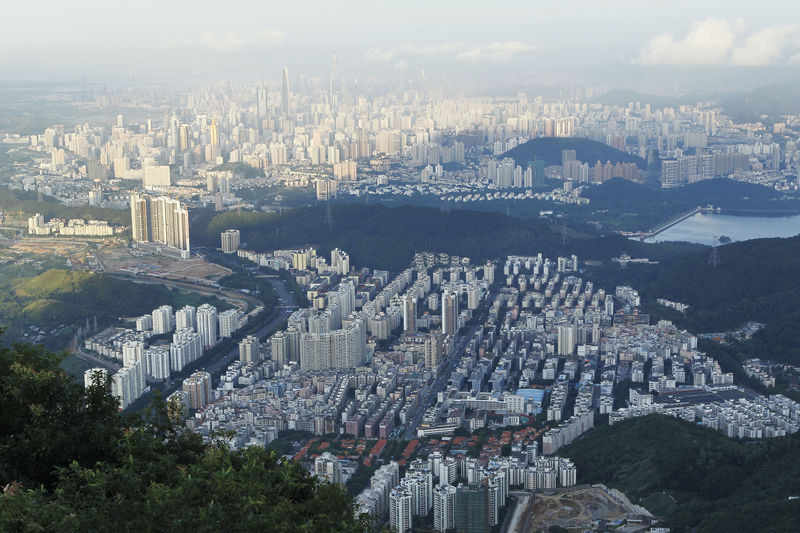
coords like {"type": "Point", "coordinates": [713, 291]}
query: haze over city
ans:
{"type": "Point", "coordinates": [497, 44]}
{"type": "Point", "coordinates": [472, 267]}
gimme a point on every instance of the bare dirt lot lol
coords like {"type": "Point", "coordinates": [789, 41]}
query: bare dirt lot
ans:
{"type": "Point", "coordinates": [573, 509]}
{"type": "Point", "coordinates": [47, 247]}
{"type": "Point", "coordinates": [119, 259]}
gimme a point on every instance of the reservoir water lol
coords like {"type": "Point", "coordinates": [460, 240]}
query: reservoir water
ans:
{"type": "Point", "coordinates": [702, 228]}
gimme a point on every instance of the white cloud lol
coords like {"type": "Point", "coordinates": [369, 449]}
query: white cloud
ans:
{"type": "Point", "coordinates": [230, 42]}
{"type": "Point", "coordinates": [714, 42]}
{"type": "Point", "coordinates": [379, 55]}
{"type": "Point", "coordinates": [500, 52]}
{"type": "Point", "coordinates": [708, 43]}
{"type": "Point", "coordinates": [763, 47]}
{"type": "Point", "coordinates": [496, 51]}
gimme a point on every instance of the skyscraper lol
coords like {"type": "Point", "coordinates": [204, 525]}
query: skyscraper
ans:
{"type": "Point", "coordinates": [163, 320]}
{"type": "Point", "coordinates": [160, 220]}
{"type": "Point", "coordinates": [185, 318]}
{"type": "Point", "coordinates": [444, 507]}
{"type": "Point", "coordinates": [285, 91]}
{"type": "Point", "coordinates": [198, 387]}
{"type": "Point", "coordinates": [207, 324]}
{"type": "Point", "coordinates": [400, 510]}
{"type": "Point", "coordinates": [261, 101]}
{"type": "Point", "coordinates": [249, 351]}
{"type": "Point", "coordinates": [214, 132]}
{"type": "Point", "coordinates": [433, 350]}
{"type": "Point", "coordinates": [449, 312]}
{"type": "Point", "coordinates": [140, 217]}
{"type": "Point", "coordinates": [409, 314]}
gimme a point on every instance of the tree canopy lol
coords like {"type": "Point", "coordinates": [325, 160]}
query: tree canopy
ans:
{"type": "Point", "coordinates": [70, 462]}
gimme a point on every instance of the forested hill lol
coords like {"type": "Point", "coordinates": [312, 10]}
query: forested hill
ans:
{"type": "Point", "coordinates": [387, 237]}
{"type": "Point", "coordinates": [754, 280]}
{"type": "Point", "coordinates": [621, 195]}
{"type": "Point", "coordinates": [698, 478]}
{"type": "Point", "coordinates": [587, 150]}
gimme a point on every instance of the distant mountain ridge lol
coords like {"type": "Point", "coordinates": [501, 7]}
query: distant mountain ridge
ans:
{"type": "Point", "coordinates": [549, 150]}
{"type": "Point", "coordinates": [770, 100]}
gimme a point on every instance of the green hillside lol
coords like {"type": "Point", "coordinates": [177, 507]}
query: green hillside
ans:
{"type": "Point", "coordinates": [59, 301]}
{"type": "Point", "coordinates": [587, 150]}
{"type": "Point", "coordinates": [378, 236]}
{"type": "Point", "coordinates": [696, 477]}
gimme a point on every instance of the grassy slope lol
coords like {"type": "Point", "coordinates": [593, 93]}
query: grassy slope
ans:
{"type": "Point", "coordinates": [60, 297]}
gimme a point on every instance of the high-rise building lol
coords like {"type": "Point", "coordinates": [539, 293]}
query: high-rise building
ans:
{"type": "Point", "coordinates": [160, 220]}
{"type": "Point", "coordinates": [280, 348]}
{"type": "Point", "coordinates": [340, 262]}
{"type": "Point", "coordinates": [444, 507]}
{"type": "Point", "coordinates": [229, 322]}
{"type": "Point", "coordinates": [133, 351]}
{"type": "Point", "coordinates": [472, 508]}
{"type": "Point", "coordinates": [198, 387]}
{"type": "Point", "coordinates": [285, 91]}
{"type": "Point", "coordinates": [187, 346]}
{"type": "Point", "coordinates": [185, 318]}
{"type": "Point", "coordinates": [128, 383]}
{"type": "Point", "coordinates": [567, 339]}
{"type": "Point", "coordinates": [95, 376]}
{"type": "Point", "coordinates": [400, 500]}
{"type": "Point", "coordinates": [163, 320]}
{"type": "Point", "coordinates": [140, 217]}
{"type": "Point", "coordinates": [326, 466]}
{"type": "Point", "coordinates": [213, 132]}
{"type": "Point", "coordinates": [341, 348]}
{"type": "Point", "coordinates": [157, 176]}
{"type": "Point", "coordinates": [230, 240]}
{"type": "Point", "coordinates": [433, 350]}
{"type": "Point", "coordinates": [249, 351]}
{"type": "Point", "coordinates": [449, 312]}
{"type": "Point", "coordinates": [207, 324]}
{"type": "Point", "coordinates": [159, 362]}
{"type": "Point", "coordinates": [261, 101]}
{"type": "Point", "coordinates": [409, 313]}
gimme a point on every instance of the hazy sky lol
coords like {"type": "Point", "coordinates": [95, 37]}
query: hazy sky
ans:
{"type": "Point", "coordinates": [166, 39]}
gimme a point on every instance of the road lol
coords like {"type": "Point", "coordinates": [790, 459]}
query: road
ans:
{"type": "Point", "coordinates": [286, 308]}
{"type": "Point", "coordinates": [233, 296]}
{"type": "Point", "coordinates": [99, 361]}
{"type": "Point", "coordinates": [452, 359]}
{"type": "Point", "coordinates": [522, 499]}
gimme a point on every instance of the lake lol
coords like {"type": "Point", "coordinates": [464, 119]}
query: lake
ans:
{"type": "Point", "coordinates": [702, 228]}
